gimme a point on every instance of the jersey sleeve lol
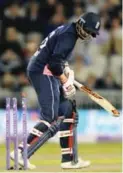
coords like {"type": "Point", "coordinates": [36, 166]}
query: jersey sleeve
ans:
{"type": "Point", "coordinates": [64, 45]}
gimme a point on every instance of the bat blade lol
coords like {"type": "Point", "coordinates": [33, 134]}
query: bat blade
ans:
{"type": "Point", "coordinates": [98, 99]}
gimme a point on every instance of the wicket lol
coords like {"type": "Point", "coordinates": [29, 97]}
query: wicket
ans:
{"type": "Point", "coordinates": [14, 122]}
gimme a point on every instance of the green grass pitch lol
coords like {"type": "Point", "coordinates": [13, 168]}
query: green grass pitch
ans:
{"type": "Point", "coordinates": [104, 157]}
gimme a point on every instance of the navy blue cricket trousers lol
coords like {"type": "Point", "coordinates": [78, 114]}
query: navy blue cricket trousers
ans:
{"type": "Point", "coordinates": [48, 93]}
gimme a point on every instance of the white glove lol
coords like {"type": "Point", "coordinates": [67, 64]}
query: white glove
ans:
{"type": "Point", "coordinates": [68, 72]}
{"type": "Point", "coordinates": [68, 88]}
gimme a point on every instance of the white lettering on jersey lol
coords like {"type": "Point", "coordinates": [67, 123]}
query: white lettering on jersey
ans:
{"type": "Point", "coordinates": [43, 44]}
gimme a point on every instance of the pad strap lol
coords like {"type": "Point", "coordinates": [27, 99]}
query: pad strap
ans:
{"type": "Point", "coordinates": [65, 133]}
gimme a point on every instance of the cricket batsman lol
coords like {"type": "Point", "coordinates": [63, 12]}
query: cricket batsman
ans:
{"type": "Point", "coordinates": [53, 83]}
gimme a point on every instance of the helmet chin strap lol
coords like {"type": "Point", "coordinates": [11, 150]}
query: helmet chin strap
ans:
{"type": "Point", "coordinates": [87, 39]}
{"type": "Point", "coordinates": [82, 34]}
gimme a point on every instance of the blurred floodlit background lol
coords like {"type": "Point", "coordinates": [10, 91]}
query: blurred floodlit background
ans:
{"type": "Point", "coordinates": [26, 23]}
{"type": "Point", "coordinates": [97, 64]}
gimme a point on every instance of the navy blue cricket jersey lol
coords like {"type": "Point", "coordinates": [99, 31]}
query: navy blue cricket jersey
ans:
{"type": "Point", "coordinates": [54, 50]}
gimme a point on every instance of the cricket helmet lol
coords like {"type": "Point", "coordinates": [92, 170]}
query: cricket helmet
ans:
{"type": "Point", "coordinates": [90, 23]}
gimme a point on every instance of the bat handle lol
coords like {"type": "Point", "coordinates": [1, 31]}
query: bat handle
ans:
{"type": "Point", "coordinates": [77, 84]}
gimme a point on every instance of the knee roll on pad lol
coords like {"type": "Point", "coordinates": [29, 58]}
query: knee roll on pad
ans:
{"type": "Point", "coordinates": [42, 126]}
{"type": "Point", "coordinates": [37, 131]}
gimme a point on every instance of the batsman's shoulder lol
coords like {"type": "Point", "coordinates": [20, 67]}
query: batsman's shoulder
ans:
{"type": "Point", "coordinates": [68, 29]}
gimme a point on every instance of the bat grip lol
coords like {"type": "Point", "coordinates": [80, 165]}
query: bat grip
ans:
{"type": "Point", "coordinates": [77, 84]}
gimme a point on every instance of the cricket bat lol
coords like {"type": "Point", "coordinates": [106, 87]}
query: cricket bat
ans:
{"type": "Point", "coordinates": [98, 99]}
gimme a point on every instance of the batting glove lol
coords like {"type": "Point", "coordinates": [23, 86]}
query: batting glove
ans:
{"type": "Point", "coordinates": [68, 72]}
{"type": "Point", "coordinates": [68, 88]}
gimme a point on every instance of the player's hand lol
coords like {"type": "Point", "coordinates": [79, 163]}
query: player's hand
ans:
{"type": "Point", "coordinates": [68, 88]}
{"type": "Point", "coordinates": [68, 72]}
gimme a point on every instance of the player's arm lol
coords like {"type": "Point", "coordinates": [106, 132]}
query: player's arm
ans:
{"type": "Point", "coordinates": [64, 45]}
{"type": "Point", "coordinates": [62, 49]}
